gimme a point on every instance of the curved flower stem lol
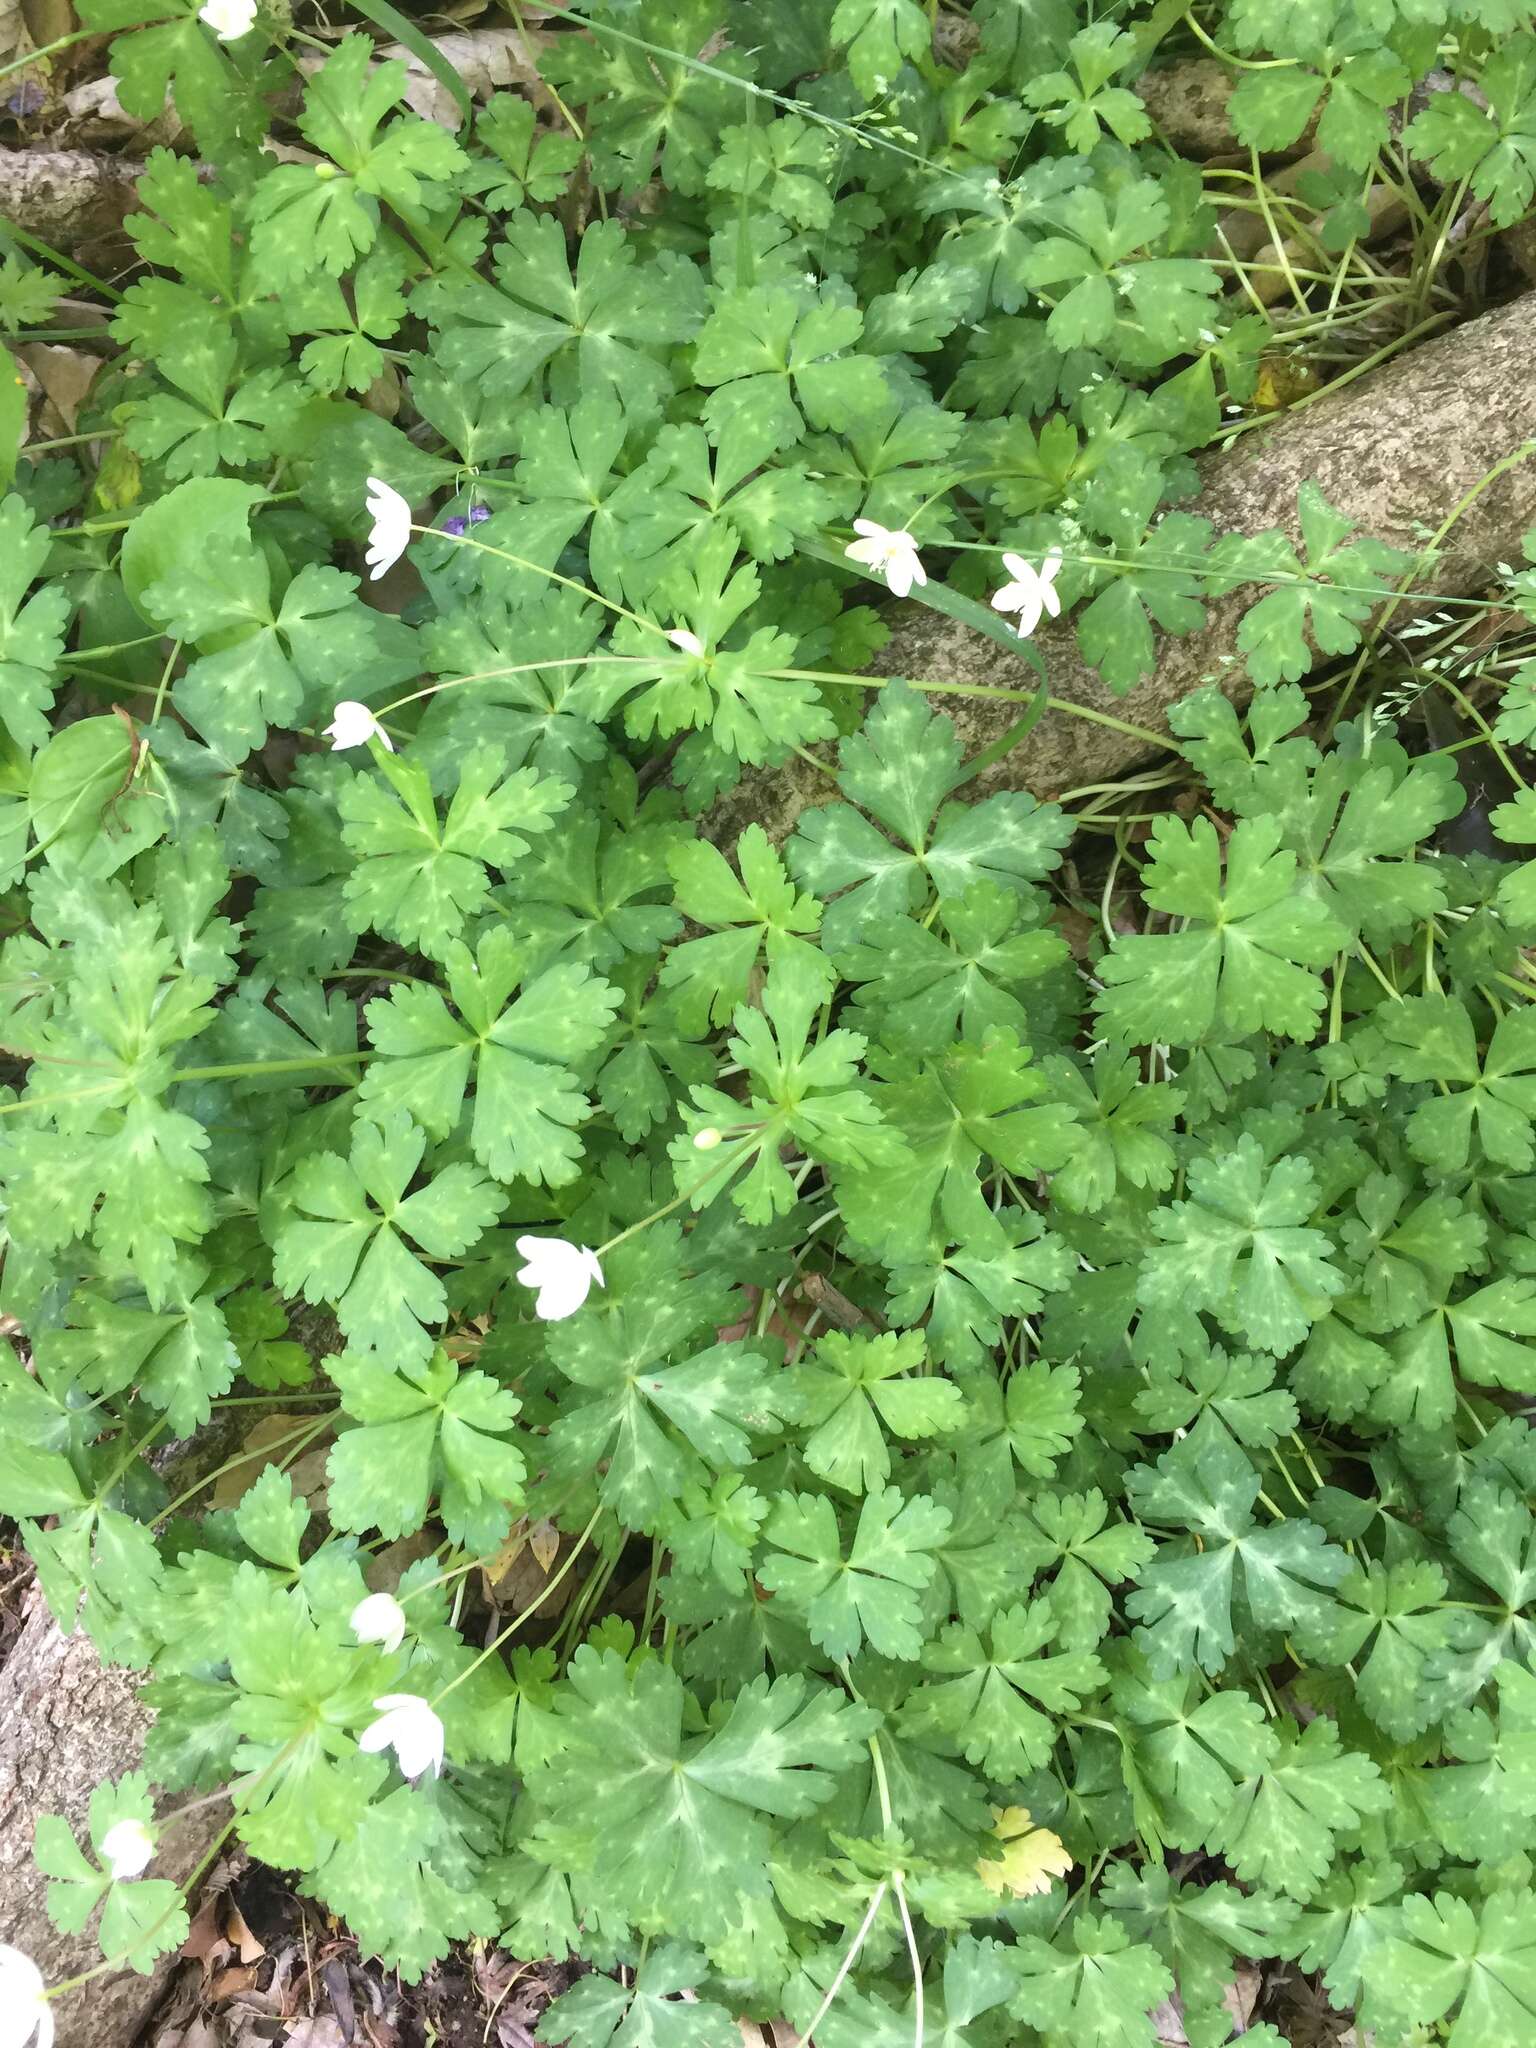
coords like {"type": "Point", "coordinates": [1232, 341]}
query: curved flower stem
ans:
{"type": "Point", "coordinates": [80, 35]}
{"type": "Point", "coordinates": [298, 1437]}
{"type": "Point", "coordinates": [721, 1165]}
{"type": "Point", "coordinates": [898, 1886]}
{"type": "Point", "coordinates": [517, 1621]}
{"type": "Point", "coordinates": [850, 1956]}
{"type": "Point", "coordinates": [110, 1963]}
{"type": "Point", "coordinates": [485, 547]}
{"type": "Point", "coordinates": [929, 684]}
{"type": "Point", "coordinates": [519, 668]}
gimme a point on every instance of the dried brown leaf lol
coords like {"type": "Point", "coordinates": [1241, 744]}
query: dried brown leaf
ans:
{"type": "Point", "coordinates": [234, 1981]}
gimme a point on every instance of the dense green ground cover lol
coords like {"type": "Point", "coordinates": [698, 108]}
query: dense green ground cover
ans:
{"type": "Point", "coordinates": [1035, 1429]}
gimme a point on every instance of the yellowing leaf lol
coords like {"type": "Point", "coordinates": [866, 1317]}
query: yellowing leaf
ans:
{"type": "Point", "coordinates": [1281, 381]}
{"type": "Point", "coordinates": [1031, 1856]}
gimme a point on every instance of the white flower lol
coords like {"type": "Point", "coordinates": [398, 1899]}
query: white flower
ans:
{"type": "Point", "coordinates": [408, 1726]}
{"type": "Point", "coordinates": [379, 1619]}
{"type": "Point", "coordinates": [563, 1273]}
{"type": "Point", "coordinates": [390, 534]}
{"type": "Point", "coordinates": [229, 19]}
{"type": "Point", "coordinates": [893, 554]}
{"type": "Point", "coordinates": [24, 2010]}
{"type": "Point", "coordinates": [686, 642]}
{"type": "Point", "coordinates": [127, 1847]}
{"type": "Point", "coordinates": [1031, 592]}
{"type": "Point", "coordinates": [354, 725]}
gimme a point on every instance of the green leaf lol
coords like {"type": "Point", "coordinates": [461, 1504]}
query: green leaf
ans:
{"type": "Point", "coordinates": [1344, 1921]}
{"type": "Point", "coordinates": [111, 1560]}
{"type": "Point", "coordinates": [1431, 1038]}
{"type": "Point", "coordinates": [419, 877]}
{"type": "Point", "coordinates": [328, 212]}
{"type": "Point", "coordinates": [87, 809]}
{"type": "Point", "coordinates": [1397, 1613]}
{"type": "Point", "coordinates": [1112, 1142]}
{"type": "Point", "coordinates": [1207, 1486]}
{"type": "Point", "coordinates": [180, 1358]}
{"type": "Point", "coordinates": [858, 1391]}
{"type": "Point", "coordinates": [769, 506]}
{"type": "Point", "coordinates": [271, 1521]}
{"type": "Point", "coordinates": [1321, 603]}
{"type": "Point", "coordinates": [716, 1532]}
{"type": "Point", "coordinates": [1244, 958]}
{"type": "Point", "coordinates": [180, 55]}
{"type": "Point", "coordinates": [303, 1784]}
{"type": "Point", "coordinates": [647, 2013]}
{"type": "Point", "coordinates": [350, 1245]}
{"type": "Point", "coordinates": [654, 102]}
{"type": "Point", "coordinates": [683, 1839]}
{"type": "Point", "coordinates": [568, 484]}
{"type": "Point", "coordinates": [1003, 1270]}
{"type": "Point", "coordinates": [1354, 828]}
{"type": "Point", "coordinates": [1199, 1930]}
{"type": "Point", "coordinates": [1241, 1248]}
{"type": "Point", "coordinates": [1188, 1752]}
{"type": "Point", "coordinates": [1283, 1825]}
{"type": "Point", "coordinates": [1476, 1958]}
{"type": "Point", "coordinates": [1091, 1553]}
{"type": "Point", "coordinates": [1494, 147]}
{"type": "Point", "coordinates": [140, 1918]}
{"type": "Point", "coordinates": [988, 1699]}
{"type": "Point", "coordinates": [429, 1433]}
{"type": "Point", "coordinates": [37, 1482]}
{"type": "Point", "coordinates": [740, 695]}
{"type": "Point", "coordinates": [1149, 304]}
{"type": "Point", "coordinates": [1270, 108]}
{"type": "Point", "coordinates": [878, 35]}
{"type": "Point", "coordinates": [800, 1090]}
{"type": "Point", "coordinates": [868, 1593]}
{"type": "Point", "coordinates": [1083, 105]}
{"type": "Point", "coordinates": [28, 294]}
{"type": "Point", "coordinates": [607, 329]}
{"type": "Point", "coordinates": [1482, 1803]}
{"type": "Point", "coordinates": [519, 169]}
{"type": "Point", "coordinates": [900, 769]}
{"type": "Point", "coordinates": [520, 1037]}
{"type": "Point", "coordinates": [647, 1421]}
{"type": "Point", "coordinates": [31, 629]}
{"type": "Point", "coordinates": [141, 1161]}
{"type": "Point", "coordinates": [778, 362]}
{"type": "Point", "coordinates": [199, 534]}
{"type": "Point", "coordinates": [978, 1102]}
{"type": "Point", "coordinates": [1237, 1393]}
{"type": "Point", "coordinates": [921, 990]}
{"type": "Point", "coordinates": [421, 47]}
{"type": "Point", "coordinates": [402, 1880]}
{"type": "Point", "coordinates": [784, 165]}
{"type": "Point", "coordinates": [1092, 1985]}
{"type": "Point", "coordinates": [760, 916]}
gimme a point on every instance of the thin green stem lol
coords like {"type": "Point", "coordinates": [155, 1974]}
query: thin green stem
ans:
{"type": "Point", "coordinates": [528, 1612]}
{"type": "Point", "coordinates": [79, 35]}
{"type": "Point", "coordinates": [165, 681]}
{"type": "Point", "coordinates": [71, 441]}
{"type": "Point", "coordinates": [184, 1891]}
{"type": "Point", "coordinates": [485, 547]}
{"type": "Point", "coordinates": [300, 1436]}
{"type": "Point", "coordinates": [56, 257]}
{"type": "Point", "coordinates": [723, 1165]}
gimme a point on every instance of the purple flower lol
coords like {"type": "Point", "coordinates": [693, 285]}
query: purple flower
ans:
{"type": "Point", "coordinates": [458, 522]}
